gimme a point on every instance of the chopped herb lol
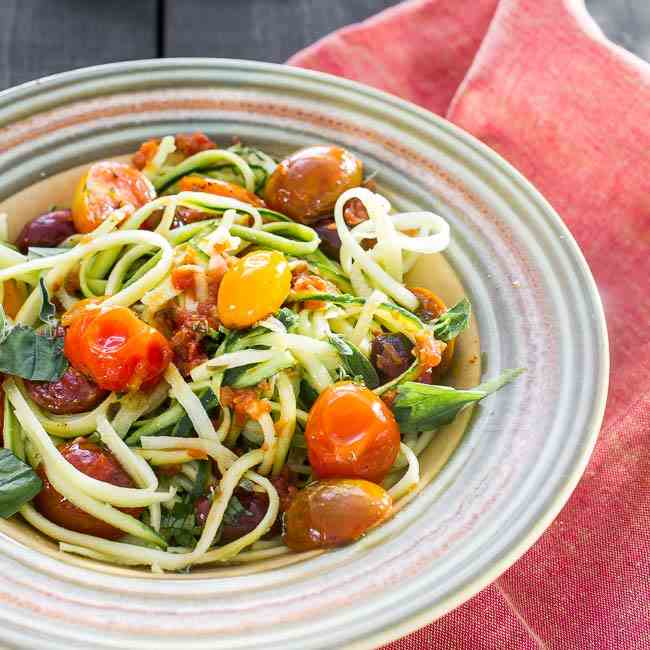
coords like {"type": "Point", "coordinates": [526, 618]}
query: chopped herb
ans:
{"type": "Point", "coordinates": [19, 483]}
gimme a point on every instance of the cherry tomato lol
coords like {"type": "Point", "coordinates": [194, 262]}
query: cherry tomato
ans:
{"type": "Point", "coordinates": [351, 433]}
{"type": "Point", "coordinates": [93, 461]}
{"type": "Point", "coordinates": [14, 296]}
{"type": "Point", "coordinates": [334, 512]}
{"type": "Point", "coordinates": [116, 349]}
{"type": "Point", "coordinates": [306, 185]}
{"type": "Point", "coordinates": [255, 287]}
{"type": "Point", "coordinates": [219, 188]}
{"type": "Point", "coordinates": [107, 186]}
{"type": "Point", "coordinates": [431, 307]}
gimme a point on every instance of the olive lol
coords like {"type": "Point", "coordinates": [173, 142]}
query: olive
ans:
{"type": "Point", "coordinates": [391, 355]}
{"type": "Point", "coordinates": [49, 229]}
{"type": "Point", "coordinates": [330, 242]}
{"type": "Point", "coordinates": [306, 185]}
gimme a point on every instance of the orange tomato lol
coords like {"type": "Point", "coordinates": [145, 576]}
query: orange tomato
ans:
{"type": "Point", "coordinates": [15, 295]}
{"type": "Point", "coordinates": [107, 186]}
{"type": "Point", "coordinates": [255, 287]}
{"type": "Point", "coordinates": [116, 349]}
{"type": "Point", "coordinates": [219, 188]}
{"type": "Point", "coordinates": [351, 433]}
{"type": "Point", "coordinates": [431, 307]}
{"type": "Point", "coordinates": [334, 512]}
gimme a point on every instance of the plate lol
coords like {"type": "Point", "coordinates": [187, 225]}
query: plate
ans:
{"type": "Point", "coordinates": [487, 494]}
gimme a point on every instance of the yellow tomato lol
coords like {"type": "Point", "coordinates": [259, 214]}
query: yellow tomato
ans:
{"type": "Point", "coordinates": [107, 186]}
{"type": "Point", "coordinates": [255, 287]}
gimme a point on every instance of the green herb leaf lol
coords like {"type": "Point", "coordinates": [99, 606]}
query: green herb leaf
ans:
{"type": "Point", "coordinates": [354, 361]}
{"type": "Point", "coordinates": [25, 354]}
{"type": "Point", "coordinates": [201, 483]}
{"type": "Point", "coordinates": [48, 310]}
{"type": "Point", "coordinates": [184, 427]}
{"type": "Point", "coordinates": [234, 511]}
{"type": "Point", "coordinates": [5, 328]}
{"type": "Point", "coordinates": [421, 407]}
{"type": "Point", "coordinates": [308, 394]}
{"type": "Point", "coordinates": [450, 324]}
{"type": "Point", "coordinates": [287, 317]}
{"type": "Point", "coordinates": [19, 483]}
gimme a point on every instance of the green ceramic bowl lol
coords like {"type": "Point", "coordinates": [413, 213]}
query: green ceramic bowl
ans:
{"type": "Point", "coordinates": [486, 496]}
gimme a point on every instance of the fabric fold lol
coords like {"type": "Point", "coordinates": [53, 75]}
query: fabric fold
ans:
{"type": "Point", "coordinates": [537, 81]}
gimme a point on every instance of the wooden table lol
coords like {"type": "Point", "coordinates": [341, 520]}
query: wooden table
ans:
{"type": "Point", "coordinates": [40, 37]}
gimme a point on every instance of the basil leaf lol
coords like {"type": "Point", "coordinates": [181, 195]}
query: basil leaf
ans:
{"type": "Point", "coordinates": [201, 483]}
{"type": "Point", "coordinates": [5, 328]}
{"type": "Point", "coordinates": [48, 310]}
{"type": "Point", "coordinates": [25, 354]}
{"type": "Point", "coordinates": [234, 512]}
{"type": "Point", "coordinates": [356, 364]}
{"type": "Point", "coordinates": [421, 407]}
{"type": "Point", "coordinates": [19, 483]}
{"type": "Point", "coordinates": [184, 427]}
{"type": "Point", "coordinates": [308, 395]}
{"type": "Point", "coordinates": [287, 317]}
{"type": "Point", "coordinates": [450, 324]}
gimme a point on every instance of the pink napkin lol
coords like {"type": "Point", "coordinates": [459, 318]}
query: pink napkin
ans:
{"type": "Point", "coordinates": [538, 82]}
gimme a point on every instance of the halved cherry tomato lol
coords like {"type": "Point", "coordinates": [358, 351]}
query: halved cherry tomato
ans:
{"type": "Point", "coordinates": [219, 188]}
{"type": "Point", "coordinates": [114, 347]}
{"type": "Point", "coordinates": [94, 461]}
{"type": "Point", "coordinates": [351, 433]}
{"type": "Point", "coordinates": [255, 287]}
{"type": "Point", "coordinates": [431, 307]}
{"type": "Point", "coordinates": [306, 185]}
{"type": "Point", "coordinates": [107, 186]}
{"type": "Point", "coordinates": [334, 512]}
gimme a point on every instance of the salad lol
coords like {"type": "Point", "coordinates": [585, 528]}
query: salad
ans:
{"type": "Point", "coordinates": [212, 356]}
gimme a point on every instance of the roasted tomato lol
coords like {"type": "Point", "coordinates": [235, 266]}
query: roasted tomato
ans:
{"type": "Point", "coordinates": [334, 512]}
{"type": "Point", "coordinates": [93, 461]}
{"type": "Point", "coordinates": [73, 392]}
{"type": "Point", "coordinates": [107, 186]}
{"type": "Point", "coordinates": [255, 287]}
{"type": "Point", "coordinates": [114, 347]}
{"type": "Point", "coordinates": [306, 185]}
{"type": "Point", "coordinates": [351, 433]}
{"type": "Point", "coordinates": [49, 229]}
{"type": "Point", "coordinates": [219, 188]}
{"type": "Point", "coordinates": [431, 307]}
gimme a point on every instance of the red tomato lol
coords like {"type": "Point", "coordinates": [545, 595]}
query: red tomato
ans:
{"type": "Point", "coordinates": [219, 188]}
{"type": "Point", "coordinates": [114, 347]}
{"type": "Point", "coordinates": [334, 512]}
{"type": "Point", "coordinates": [92, 461]}
{"type": "Point", "coordinates": [107, 186]}
{"type": "Point", "coordinates": [351, 433]}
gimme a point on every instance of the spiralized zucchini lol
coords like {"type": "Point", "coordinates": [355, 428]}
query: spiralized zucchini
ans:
{"type": "Point", "coordinates": [233, 416]}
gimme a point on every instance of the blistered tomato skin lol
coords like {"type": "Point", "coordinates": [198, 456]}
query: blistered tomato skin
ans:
{"type": "Point", "coordinates": [92, 461]}
{"type": "Point", "coordinates": [108, 186]}
{"type": "Point", "coordinates": [306, 185]}
{"type": "Point", "coordinates": [351, 433]}
{"type": "Point", "coordinates": [116, 349]}
{"type": "Point", "coordinates": [334, 512]}
{"type": "Point", "coordinates": [219, 188]}
{"type": "Point", "coordinates": [254, 288]}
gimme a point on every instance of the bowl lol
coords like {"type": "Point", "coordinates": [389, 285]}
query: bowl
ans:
{"type": "Point", "coordinates": [489, 489]}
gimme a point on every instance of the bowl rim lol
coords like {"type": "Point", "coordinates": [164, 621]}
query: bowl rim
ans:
{"type": "Point", "coordinates": [30, 90]}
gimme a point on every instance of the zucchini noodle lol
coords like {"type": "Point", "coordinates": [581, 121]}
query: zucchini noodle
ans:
{"type": "Point", "coordinates": [201, 391]}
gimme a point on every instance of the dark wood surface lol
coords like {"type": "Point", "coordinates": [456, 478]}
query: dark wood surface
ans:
{"type": "Point", "coordinates": [40, 37]}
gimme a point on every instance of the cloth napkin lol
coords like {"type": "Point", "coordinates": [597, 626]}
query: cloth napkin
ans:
{"type": "Point", "coordinates": [537, 81]}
